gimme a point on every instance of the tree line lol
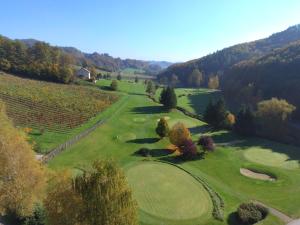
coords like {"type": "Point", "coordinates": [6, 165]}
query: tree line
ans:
{"type": "Point", "coordinates": [40, 61]}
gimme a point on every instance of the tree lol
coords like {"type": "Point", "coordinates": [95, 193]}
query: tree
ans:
{"type": "Point", "coordinates": [106, 196]}
{"type": "Point", "coordinates": [179, 134]}
{"type": "Point", "coordinates": [98, 196]}
{"type": "Point", "coordinates": [5, 64]}
{"type": "Point", "coordinates": [114, 85]}
{"type": "Point", "coordinates": [63, 204]}
{"type": "Point", "coordinates": [273, 116]}
{"type": "Point", "coordinates": [119, 77]}
{"type": "Point", "coordinates": [150, 89]}
{"type": "Point", "coordinates": [213, 82]}
{"type": "Point", "coordinates": [207, 143]}
{"type": "Point", "coordinates": [21, 175]}
{"type": "Point", "coordinates": [93, 72]}
{"type": "Point", "coordinates": [162, 128]}
{"type": "Point", "coordinates": [136, 79]}
{"type": "Point", "coordinates": [188, 149]}
{"type": "Point", "coordinates": [216, 114]}
{"type": "Point", "coordinates": [168, 98]}
{"type": "Point", "coordinates": [251, 213]}
{"type": "Point", "coordinates": [195, 78]}
{"type": "Point", "coordinates": [245, 121]}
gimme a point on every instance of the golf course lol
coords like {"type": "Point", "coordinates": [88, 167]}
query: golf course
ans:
{"type": "Point", "coordinates": [171, 191]}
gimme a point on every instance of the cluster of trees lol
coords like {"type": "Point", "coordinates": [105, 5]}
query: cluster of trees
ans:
{"type": "Point", "coordinates": [103, 76]}
{"type": "Point", "coordinates": [274, 75]}
{"type": "Point", "coordinates": [180, 136]}
{"type": "Point", "coordinates": [98, 195]}
{"type": "Point", "coordinates": [40, 61]}
{"type": "Point", "coordinates": [269, 120]}
{"type": "Point", "coordinates": [217, 115]}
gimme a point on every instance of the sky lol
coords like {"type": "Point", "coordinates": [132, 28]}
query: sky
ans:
{"type": "Point", "coordinates": [172, 30]}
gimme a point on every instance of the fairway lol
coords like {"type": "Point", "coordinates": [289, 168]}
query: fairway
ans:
{"type": "Point", "coordinates": [167, 192]}
{"type": "Point", "coordinates": [270, 158]}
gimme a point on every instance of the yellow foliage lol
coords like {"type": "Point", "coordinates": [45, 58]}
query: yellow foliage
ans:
{"type": "Point", "coordinates": [178, 134]}
{"type": "Point", "coordinates": [21, 175]}
{"type": "Point", "coordinates": [62, 194]}
{"type": "Point", "coordinates": [27, 130]}
{"type": "Point", "coordinates": [230, 119]}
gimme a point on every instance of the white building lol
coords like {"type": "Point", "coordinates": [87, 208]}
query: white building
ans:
{"type": "Point", "coordinates": [84, 73]}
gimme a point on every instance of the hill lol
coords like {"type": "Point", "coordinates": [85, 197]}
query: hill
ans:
{"type": "Point", "coordinates": [106, 62]}
{"type": "Point", "coordinates": [220, 61]}
{"type": "Point", "coordinates": [273, 75]}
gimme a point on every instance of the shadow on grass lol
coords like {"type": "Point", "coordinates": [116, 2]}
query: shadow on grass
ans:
{"type": "Point", "coordinates": [200, 101]}
{"type": "Point", "coordinates": [160, 152]}
{"type": "Point", "coordinates": [232, 219]}
{"type": "Point", "coordinates": [144, 140]}
{"type": "Point", "coordinates": [179, 159]}
{"type": "Point", "coordinates": [200, 129]}
{"type": "Point", "coordinates": [148, 110]}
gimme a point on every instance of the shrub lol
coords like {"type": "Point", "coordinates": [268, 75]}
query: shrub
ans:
{"type": "Point", "coordinates": [251, 213]}
{"type": "Point", "coordinates": [38, 217]}
{"type": "Point", "coordinates": [162, 128]}
{"type": "Point", "coordinates": [188, 149]}
{"type": "Point", "coordinates": [207, 143]}
{"type": "Point", "coordinates": [179, 134]}
{"type": "Point", "coordinates": [114, 85]}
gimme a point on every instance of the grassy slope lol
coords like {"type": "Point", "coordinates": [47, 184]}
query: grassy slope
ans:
{"type": "Point", "coordinates": [132, 126]}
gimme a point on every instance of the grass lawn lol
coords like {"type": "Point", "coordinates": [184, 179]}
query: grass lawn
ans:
{"type": "Point", "coordinates": [132, 126]}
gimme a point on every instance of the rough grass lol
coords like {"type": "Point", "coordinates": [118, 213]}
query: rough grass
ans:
{"type": "Point", "coordinates": [167, 192]}
{"type": "Point", "coordinates": [220, 169]}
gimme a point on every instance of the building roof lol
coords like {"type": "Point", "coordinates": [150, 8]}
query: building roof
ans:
{"type": "Point", "coordinates": [82, 68]}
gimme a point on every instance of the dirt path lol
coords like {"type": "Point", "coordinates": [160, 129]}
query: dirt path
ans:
{"type": "Point", "coordinates": [285, 218]}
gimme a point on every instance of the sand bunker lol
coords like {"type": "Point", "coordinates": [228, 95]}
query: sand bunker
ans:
{"type": "Point", "coordinates": [256, 175]}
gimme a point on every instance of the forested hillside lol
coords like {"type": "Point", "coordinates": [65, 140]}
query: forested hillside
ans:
{"type": "Point", "coordinates": [39, 61]}
{"type": "Point", "coordinates": [215, 64]}
{"type": "Point", "coordinates": [107, 62]}
{"type": "Point", "coordinates": [274, 75]}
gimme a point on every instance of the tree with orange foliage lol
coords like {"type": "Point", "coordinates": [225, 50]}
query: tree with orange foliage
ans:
{"type": "Point", "coordinates": [179, 134]}
{"type": "Point", "coordinates": [21, 175]}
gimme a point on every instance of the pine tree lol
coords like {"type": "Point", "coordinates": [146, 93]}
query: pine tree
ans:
{"type": "Point", "coordinates": [162, 128]}
{"type": "Point", "coordinates": [136, 79]}
{"type": "Point", "coordinates": [216, 114]}
{"type": "Point", "coordinates": [168, 98]}
{"type": "Point", "coordinates": [245, 121]}
{"type": "Point", "coordinates": [150, 88]}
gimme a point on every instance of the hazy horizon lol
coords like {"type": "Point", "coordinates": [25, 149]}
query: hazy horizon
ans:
{"type": "Point", "coordinates": [174, 31]}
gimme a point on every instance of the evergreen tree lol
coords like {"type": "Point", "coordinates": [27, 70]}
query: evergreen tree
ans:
{"type": "Point", "coordinates": [150, 88]}
{"type": "Point", "coordinates": [245, 121]}
{"type": "Point", "coordinates": [114, 85]}
{"type": "Point", "coordinates": [136, 79]}
{"type": "Point", "coordinates": [216, 114]}
{"type": "Point", "coordinates": [119, 77]}
{"type": "Point", "coordinates": [162, 128]}
{"type": "Point", "coordinates": [168, 98]}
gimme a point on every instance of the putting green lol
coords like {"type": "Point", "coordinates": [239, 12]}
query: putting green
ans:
{"type": "Point", "coordinates": [270, 158]}
{"type": "Point", "coordinates": [167, 192]}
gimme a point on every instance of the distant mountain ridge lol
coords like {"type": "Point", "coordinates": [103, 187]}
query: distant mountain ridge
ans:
{"type": "Point", "coordinates": [218, 62]}
{"type": "Point", "coordinates": [106, 62]}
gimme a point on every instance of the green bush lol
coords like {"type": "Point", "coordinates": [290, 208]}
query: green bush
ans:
{"type": "Point", "coordinates": [251, 213]}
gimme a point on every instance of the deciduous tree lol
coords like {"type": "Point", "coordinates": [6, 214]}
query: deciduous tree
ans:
{"type": "Point", "coordinates": [21, 175]}
{"type": "Point", "coordinates": [179, 134]}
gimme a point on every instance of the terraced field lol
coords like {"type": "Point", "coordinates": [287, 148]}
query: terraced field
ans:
{"type": "Point", "coordinates": [133, 126]}
{"type": "Point", "coordinates": [50, 109]}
